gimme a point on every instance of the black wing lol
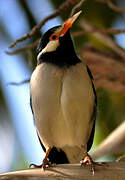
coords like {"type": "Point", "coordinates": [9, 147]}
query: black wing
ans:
{"type": "Point", "coordinates": [90, 141]}
{"type": "Point", "coordinates": [93, 118]}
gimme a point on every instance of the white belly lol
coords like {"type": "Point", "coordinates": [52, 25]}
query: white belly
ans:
{"type": "Point", "coordinates": [62, 101]}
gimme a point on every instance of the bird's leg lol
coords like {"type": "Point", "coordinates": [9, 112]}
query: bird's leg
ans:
{"type": "Point", "coordinates": [45, 163]}
{"type": "Point", "coordinates": [87, 161]}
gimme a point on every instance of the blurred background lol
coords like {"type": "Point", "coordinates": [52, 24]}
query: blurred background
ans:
{"type": "Point", "coordinates": [19, 145]}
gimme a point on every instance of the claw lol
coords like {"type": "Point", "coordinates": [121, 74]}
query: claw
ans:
{"type": "Point", "coordinates": [35, 166]}
{"type": "Point", "coordinates": [46, 163]}
{"type": "Point", "coordinates": [87, 161]}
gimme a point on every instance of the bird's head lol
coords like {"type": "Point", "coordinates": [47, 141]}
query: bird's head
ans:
{"type": "Point", "coordinates": [56, 44]}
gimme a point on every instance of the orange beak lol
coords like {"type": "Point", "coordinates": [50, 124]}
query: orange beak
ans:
{"type": "Point", "coordinates": [68, 23]}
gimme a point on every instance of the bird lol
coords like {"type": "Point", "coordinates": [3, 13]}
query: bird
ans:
{"type": "Point", "coordinates": [63, 99]}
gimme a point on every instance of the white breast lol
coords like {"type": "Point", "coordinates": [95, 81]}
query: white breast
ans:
{"type": "Point", "coordinates": [62, 101]}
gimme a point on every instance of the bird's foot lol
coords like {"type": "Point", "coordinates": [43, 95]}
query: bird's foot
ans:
{"type": "Point", "coordinates": [44, 165]}
{"type": "Point", "coordinates": [87, 161]}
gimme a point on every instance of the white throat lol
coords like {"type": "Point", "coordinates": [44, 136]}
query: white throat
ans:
{"type": "Point", "coordinates": [50, 47]}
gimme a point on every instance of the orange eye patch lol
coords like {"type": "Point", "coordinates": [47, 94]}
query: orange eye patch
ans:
{"type": "Point", "coordinates": [54, 37]}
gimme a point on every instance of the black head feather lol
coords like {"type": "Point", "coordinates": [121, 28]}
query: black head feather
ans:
{"type": "Point", "coordinates": [64, 55]}
{"type": "Point", "coordinates": [45, 39]}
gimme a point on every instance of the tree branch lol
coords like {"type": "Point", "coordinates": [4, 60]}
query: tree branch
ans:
{"type": "Point", "coordinates": [25, 48]}
{"type": "Point", "coordinates": [77, 6]}
{"type": "Point", "coordinates": [102, 37]}
{"type": "Point", "coordinates": [89, 28]}
{"type": "Point", "coordinates": [19, 83]}
{"type": "Point", "coordinates": [104, 31]}
{"type": "Point", "coordinates": [36, 28]}
{"type": "Point", "coordinates": [108, 69]}
{"type": "Point", "coordinates": [112, 170]}
{"type": "Point", "coordinates": [114, 143]}
{"type": "Point", "coordinates": [74, 34]}
{"type": "Point", "coordinates": [113, 6]}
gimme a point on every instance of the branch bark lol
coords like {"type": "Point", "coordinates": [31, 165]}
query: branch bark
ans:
{"type": "Point", "coordinates": [108, 171]}
{"type": "Point", "coordinates": [108, 69]}
{"type": "Point", "coordinates": [113, 6]}
{"type": "Point", "coordinates": [63, 7]}
{"type": "Point", "coordinates": [102, 37]}
{"type": "Point", "coordinates": [114, 143]}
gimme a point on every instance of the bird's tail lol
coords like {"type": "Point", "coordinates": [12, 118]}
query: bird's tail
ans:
{"type": "Point", "coordinates": [57, 156]}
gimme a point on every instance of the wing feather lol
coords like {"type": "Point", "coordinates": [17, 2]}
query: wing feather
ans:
{"type": "Point", "coordinates": [93, 118]}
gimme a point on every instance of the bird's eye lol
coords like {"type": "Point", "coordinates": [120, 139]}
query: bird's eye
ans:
{"type": "Point", "coordinates": [53, 37]}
